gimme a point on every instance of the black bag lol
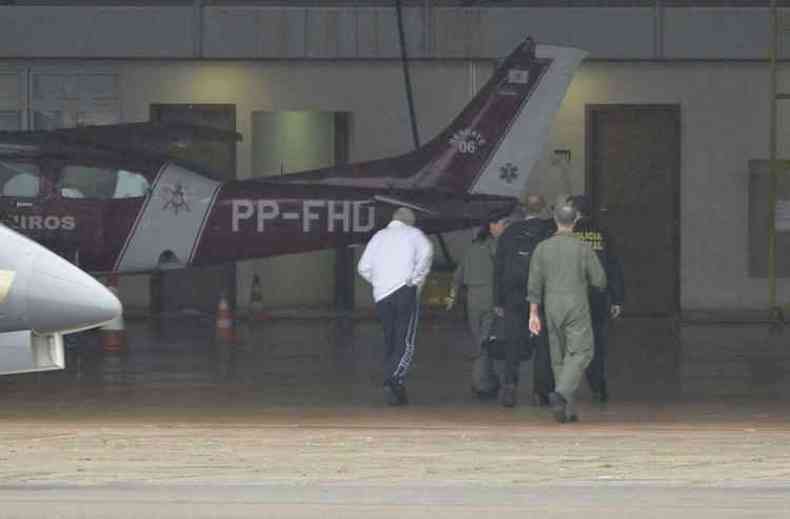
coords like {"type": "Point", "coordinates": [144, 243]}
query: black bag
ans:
{"type": "Point", "coordinates": [496, 342]}
{"type": "Point", "coordinates": [521, 243]}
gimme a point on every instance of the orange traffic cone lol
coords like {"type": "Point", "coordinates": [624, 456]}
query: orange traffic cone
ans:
{"type": "Point", "coordinates": [113, 334]}
{"type": "Point", "coordinates": [256, 311]}
{"type": "Point", "coordinates": [224, 320]}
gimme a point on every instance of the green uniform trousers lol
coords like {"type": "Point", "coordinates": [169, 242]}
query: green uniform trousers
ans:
{"type": "Point", "coordinates": [481, 316]}
{"type": "Point", "coordinates": [571, 341]}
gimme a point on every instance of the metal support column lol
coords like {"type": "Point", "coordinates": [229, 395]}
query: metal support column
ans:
{"type": "Point", "coordinates": [776, 29]}
{"type": "Point", "coordinates": [198, 28]}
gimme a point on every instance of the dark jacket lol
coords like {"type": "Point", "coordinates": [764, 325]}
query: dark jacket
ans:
{"type": "Point", "coordinates": [510, 282]}
{"type": "Point", "coordinates": [603, 245]}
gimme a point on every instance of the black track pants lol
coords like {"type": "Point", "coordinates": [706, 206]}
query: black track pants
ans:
{"type": "Point", "coordinates": [398, 313]}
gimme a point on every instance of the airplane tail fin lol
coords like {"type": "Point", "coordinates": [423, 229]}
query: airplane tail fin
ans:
{"type": "Point", "coordinates": [493, 144]}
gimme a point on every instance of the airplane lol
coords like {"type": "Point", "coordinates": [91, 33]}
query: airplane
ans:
{"type": "Point", "coordinates": [43, 297]}
{"type": "Point", "coordinates": [113, 198]}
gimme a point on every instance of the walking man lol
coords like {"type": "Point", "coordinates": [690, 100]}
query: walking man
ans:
{"type": "Point", "coordinates": [603, 304]}
{"type": "Point", "coordinates": [511, 273]}
{"type": "Point", "coordinates": [476, 273]}
{"type": "Point", "coordinates": [562, 270]}
{"type": "Point", "coordinates": [396, 262]}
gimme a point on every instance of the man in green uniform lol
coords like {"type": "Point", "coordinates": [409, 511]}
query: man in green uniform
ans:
{"type": "Point", "coordinates": [476, 272]}
{"type": "Point", "coordinates": [562, 271]}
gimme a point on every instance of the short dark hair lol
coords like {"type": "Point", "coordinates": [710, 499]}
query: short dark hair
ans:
{"type": "Point", "coordinates": [518, 213]}
{"type": "Point", "coordinates": [581, 203]}
{"type": "Point", "coordinates": [496, 215]}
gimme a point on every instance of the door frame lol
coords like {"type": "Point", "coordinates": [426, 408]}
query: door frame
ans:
{"type": "Point", "coordinates": [231, 271]}
{"type": "Point", "coordinates": [155, 113]}
{"type": "Point", "coordinates": [591, 110]}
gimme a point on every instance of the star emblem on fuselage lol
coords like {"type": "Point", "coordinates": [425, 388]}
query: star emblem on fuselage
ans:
{"type": "Point", "coordinates": [176, 200]}
{"type": "Point", "coordinates": [508, 172]}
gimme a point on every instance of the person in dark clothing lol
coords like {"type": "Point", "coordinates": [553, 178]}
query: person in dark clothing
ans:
{"type": "Point", "coordinates": [511, 274]}
{"type": "Point", "coordinates": [542, 372]}
{"type": "Point", "coordinates": [603, 304]}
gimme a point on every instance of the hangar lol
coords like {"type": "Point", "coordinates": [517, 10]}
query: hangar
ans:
{"type": "Point", "coordinates": [695, 75]}
{"type": "Point", "coordinates": [669, 124]}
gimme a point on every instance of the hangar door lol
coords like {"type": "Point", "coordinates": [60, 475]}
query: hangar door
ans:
{"type": "Point", "coordinates": [199, 288]}
{"type": "Point", "coordinates": [633, 170]}
{"type": "Point", "coordinates": [291, 141]}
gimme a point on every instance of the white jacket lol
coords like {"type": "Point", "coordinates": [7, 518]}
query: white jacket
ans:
{"type": "Point", "coordinates": [397, 255]}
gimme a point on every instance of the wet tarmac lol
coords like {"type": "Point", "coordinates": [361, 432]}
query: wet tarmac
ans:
{"type": "Point", "coordinates": [179, 363]}
{"type": "Point", "coordinates": [290, 419]}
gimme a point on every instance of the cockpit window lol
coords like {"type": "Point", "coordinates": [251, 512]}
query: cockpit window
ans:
{"type": "Point", "coordinates": [101, 183]}
{"type": "Point", "coordinates": [19, 179]}
{"type": "Point", "coordinates": [130, 185]}
{"type": "Point", "coordinates": [87, 182]}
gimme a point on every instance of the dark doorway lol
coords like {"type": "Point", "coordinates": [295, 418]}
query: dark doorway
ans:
{"type": "Point", "coordinates": [633, 175]}
{"type": "Point", "coordinates": [345, 270]}
{"type": "Point", "coordinates": [199, 288]}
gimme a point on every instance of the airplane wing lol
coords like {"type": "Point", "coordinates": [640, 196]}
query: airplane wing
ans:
{"type": "Point", "coordinates": [154, 140]}
{"type": "Point", "coordinates": [396, 202]}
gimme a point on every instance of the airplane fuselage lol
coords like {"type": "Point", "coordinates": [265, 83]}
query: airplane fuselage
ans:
{"type": "Point", "coordinates": [186, 219]}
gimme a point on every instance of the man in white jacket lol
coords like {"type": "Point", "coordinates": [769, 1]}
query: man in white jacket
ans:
{"type": "Point", "coordinates": [396, 262]}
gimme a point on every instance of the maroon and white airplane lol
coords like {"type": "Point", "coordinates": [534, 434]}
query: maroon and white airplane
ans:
{"type": "Point", "coordinates": [110, 198]}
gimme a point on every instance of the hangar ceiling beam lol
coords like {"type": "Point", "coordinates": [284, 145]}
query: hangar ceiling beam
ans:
{"type": "Point", "coordinates": [435, 29]}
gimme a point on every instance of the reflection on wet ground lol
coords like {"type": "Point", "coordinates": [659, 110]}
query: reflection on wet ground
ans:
{"type": "Point", "coordinates": [178, 364]}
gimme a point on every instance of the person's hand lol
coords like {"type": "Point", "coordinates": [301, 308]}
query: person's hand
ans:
{"type": "Point", "coordinates": [534, 324]}
{"type": "Point", "coordinates": [499, 311]}
{"type": "Point", "coordinates": [449, 301]}
{"type": "Point", "coordinates": [615, 311]}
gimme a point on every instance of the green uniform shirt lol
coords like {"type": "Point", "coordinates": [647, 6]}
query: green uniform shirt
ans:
{"type": "Point", "coordinates": [476, 271]}
{"type": "Point", "coordinates": [563, 264]}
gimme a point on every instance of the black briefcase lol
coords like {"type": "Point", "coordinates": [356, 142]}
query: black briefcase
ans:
{"type": "Point", "coordinates": [496, 342]}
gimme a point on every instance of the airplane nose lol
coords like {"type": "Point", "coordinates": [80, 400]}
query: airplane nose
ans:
{"type": "Point", "coordinates": [61, 297]}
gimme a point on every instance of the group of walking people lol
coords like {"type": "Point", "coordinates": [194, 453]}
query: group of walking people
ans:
{"type": "Point", "coordinates": [543, 290]}
{"type": "Point", "coordinates": [537, 289]}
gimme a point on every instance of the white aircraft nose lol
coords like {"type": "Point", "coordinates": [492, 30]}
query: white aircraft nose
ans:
{"type": "Point", "coordinates": [61, 297]}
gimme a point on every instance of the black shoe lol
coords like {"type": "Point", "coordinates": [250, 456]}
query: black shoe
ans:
{"type": "Point", "coordinates": [486, 395]}
{"type": "Point", "coordinates": [540, 400]}
{"type": "Point", "coordinates": [402, 396]}
{"type": "Point", "coordinates": [573, 418]}
{"type": "Point", "coordinates": [509, 395]}
{"type": "Point", "coordinates": [601, 396]}
{"type": "Point", "coordinates": [396, 394]}
{"type": "Point", "coordinates": [558, 406]}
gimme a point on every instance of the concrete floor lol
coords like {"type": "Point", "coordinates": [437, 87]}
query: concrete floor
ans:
{"type": "Point", "coordinates": [289, 422]}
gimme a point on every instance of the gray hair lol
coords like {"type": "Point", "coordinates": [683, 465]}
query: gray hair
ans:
{"type": "Point", "coordinates": [565, 214]}
{"type": "Point", "coordinates": [561, 200]}
{"type": "Point", "coordinates": [404, 215]}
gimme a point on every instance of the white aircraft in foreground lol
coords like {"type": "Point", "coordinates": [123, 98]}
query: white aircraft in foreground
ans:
{"type": "Point", "coordinates": [43, 297]}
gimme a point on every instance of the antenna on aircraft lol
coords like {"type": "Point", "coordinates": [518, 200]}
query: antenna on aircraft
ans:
{"type": "Point", "coordinates": [412, 115]}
